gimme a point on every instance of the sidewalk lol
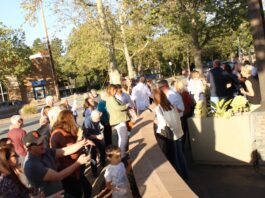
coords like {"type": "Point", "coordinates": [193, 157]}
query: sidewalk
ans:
{"type": "Point", "coordinates": [5, 116]}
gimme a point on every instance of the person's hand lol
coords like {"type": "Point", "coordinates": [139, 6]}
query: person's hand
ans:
{"type": "Point", "coordinates": [242, 90]}
{"type": "Point", "coordinates": [83, 159]}
{"type": "Point", "coordinates": [100, 137]}
{"type": "Point", "coordinates": [86, 142]}
{"type": "Point", "coordinates": [228, 85]}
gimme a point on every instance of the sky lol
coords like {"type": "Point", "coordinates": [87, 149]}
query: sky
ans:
{"type": "Point", "coordinates": [12, 16]}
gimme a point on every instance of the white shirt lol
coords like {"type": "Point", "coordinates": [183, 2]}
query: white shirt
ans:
{"type": "Point", "coordinates": [176, 100]}
{"type": "Point", "coordinates": [141, 94]}
{"type": "Point", "coordinates": [170, 119]}
{"type": "Point", "coordinates": [116, 174]}
{"type": "Point", "coordinates": [195, 87]}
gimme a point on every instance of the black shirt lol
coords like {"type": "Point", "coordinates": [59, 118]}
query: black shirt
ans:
{"type": "Point", "coordinates": [218, 81]}
{"type": "Point", "coordinates": [256, 99]}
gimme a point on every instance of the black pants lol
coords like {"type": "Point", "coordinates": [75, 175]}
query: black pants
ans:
{"type": "Point", "coordinates": [100, 145]}
{"type": "Point", "coordinates": [107, 134]}
{"type": "Point", "coordinates": [77, 187]}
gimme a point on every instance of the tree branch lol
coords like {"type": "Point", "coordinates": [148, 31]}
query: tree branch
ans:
{"type": "Point", "coordinates": [138, 51]}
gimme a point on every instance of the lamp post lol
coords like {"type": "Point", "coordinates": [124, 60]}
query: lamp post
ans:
{"type": "Point", "coordinates": [54, 76]}
{"type": "Point", "coordinates": [170, 65]}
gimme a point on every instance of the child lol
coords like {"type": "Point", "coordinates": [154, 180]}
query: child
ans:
{"type": "Point", "coordinates": [115, 175]}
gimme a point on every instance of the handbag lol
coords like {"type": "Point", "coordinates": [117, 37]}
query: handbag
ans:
{"type": "Point", "coordinates": [166, 132]}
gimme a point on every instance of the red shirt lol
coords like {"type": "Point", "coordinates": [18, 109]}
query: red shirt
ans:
{"type": "Point", "coordinates": [16, 135]}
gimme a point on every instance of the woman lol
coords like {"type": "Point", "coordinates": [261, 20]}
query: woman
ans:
{"type": "Point", "coordinates": [89, 106]}
{"type": "Point", "coordinates": [105, 118]}
{"type": "Point", "coordinates": [118, 117]}
{"type": "Point", "coordinates": [189, 108]}
{"type": "Point", "coordinates": [10, 184]}
{"type": "Point", "coordinates": [66, 132]}
{"type": "Point", "coordinates": [252, 91]}
{"type": "Point", "coordinates": [195, 86]}
{"type": "Point", "coordinates": [168, 116]}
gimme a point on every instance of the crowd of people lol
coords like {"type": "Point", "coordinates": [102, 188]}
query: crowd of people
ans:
{"type": "Point", "coordinates": [51, 160]}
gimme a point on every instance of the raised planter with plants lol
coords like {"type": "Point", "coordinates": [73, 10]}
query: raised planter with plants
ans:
{"type": "Point", "coordinates": [222, 133]}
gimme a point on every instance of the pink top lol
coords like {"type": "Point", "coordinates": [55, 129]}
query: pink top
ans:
{"type": "Point", "coordinates": [16, 135]}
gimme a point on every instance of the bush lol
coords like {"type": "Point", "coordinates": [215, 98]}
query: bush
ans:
{"type": "Point", "coordinates": [28, 109]}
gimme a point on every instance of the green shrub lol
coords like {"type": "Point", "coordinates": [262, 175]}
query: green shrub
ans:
{"type": "Point", "coordinates": [28, 109]}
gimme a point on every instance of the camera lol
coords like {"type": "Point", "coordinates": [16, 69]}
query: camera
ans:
{"type": "Point", "coordinates": [86, 150]}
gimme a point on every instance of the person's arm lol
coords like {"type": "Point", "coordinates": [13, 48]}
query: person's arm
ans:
{"type": "Point", "coordinates": [68, 150]}
{"type": "Point", "coordinates": [74, 106]}
{"type": "Point", "coordinates": [52, 175]}
{"type": "Point", "coordinates": [250, 91]}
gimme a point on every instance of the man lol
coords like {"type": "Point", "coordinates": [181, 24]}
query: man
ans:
{"type": "Point", "coordinates": [49, 102]}
{"type": "Point", "coordinates": [140, 95]}
{"type": "Point", "coordinates": [64, 105]}
{"type": "Point", "coordinates": [40, 166]}
{"type": "Point", "coordinates": [16, 135]}
{"type": "Point", "coordinates": [218, 82]}
{"type": "Point", "coordinates": [93, 130]}
{"type": "Point", "coordinates": [174, 98]}
{"type": "Point", "coordinates": [95, 95]}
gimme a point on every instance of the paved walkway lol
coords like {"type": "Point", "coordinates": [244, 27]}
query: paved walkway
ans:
{"type": "Point", "coordinates": [212, 181]}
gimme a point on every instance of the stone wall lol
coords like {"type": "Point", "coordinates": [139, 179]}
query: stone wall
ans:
{"type": "Point", "coordinates": [154, 175]}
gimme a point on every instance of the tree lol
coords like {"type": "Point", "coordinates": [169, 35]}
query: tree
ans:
{"type": "Point", "coordinates": [202, 21]}
{"type": "Point", "coordinates": [14, 53]}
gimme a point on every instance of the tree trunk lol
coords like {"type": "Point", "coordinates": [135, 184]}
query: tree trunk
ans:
{"type": "Point", "coordinates": [197, 51]}
{"type": "Point", "coordinates": [114, 74]}
{"type": "Point", "coordinates": [130, 68]}
{"type": "Point", "coordinates": [256, 16]}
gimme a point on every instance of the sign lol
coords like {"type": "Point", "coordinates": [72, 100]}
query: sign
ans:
{"type": "Point", "coordinates": [38, 83]}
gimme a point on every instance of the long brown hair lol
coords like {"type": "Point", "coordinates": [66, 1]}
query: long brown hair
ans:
{"type": "Point", "coordinates": [66, 121]}
{"type": "Point", "coordinates": [88, 105]}
{"type": "Point", "coordinates": [111, 89]}
{"type": "Point", "coordinates": [161, 99]}
{"type": "Point", "coordinates": [6, 168]}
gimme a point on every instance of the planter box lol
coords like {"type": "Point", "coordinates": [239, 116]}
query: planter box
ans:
{"type": "Point", "coordinates": [222, 141]}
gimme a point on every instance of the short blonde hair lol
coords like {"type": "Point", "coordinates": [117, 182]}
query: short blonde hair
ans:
{"type": "Point", "coordinates": [246, 70]}
{"type": "Point", "coordinates": [180, 86]}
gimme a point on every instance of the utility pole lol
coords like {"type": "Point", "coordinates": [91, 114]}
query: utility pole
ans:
{"type": "Point", "coordinates": [54, 76]}
{"type": "Point", "coordinates": [256, 16]}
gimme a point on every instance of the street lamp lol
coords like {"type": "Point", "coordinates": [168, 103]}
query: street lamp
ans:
{"type": "Point", "coordinates": [170, 65]}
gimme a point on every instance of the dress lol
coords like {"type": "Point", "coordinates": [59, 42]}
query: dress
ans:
{"type": "Point", "coordinates": [116, 174]}
{"type": "Point", "coordinates": [8, 188]}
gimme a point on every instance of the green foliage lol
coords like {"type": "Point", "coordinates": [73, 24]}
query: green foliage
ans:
{"type": "Point", "coordinates": [240, 105]}
{"type": "Point", "coordinates": [14, 54]}
{"type": "Point", "coordinates": [200, 109]}
{"type": "Point", "coordinates": [221, 108]}
{"type": "Point", "coordinates": [28, 109]}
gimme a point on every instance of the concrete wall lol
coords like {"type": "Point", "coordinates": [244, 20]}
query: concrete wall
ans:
{"type": "Point", "coordinates": [222, 141]}
{"type": "Point", "coordinates": [154, 175]}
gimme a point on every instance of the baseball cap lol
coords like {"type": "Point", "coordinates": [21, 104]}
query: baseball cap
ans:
{"type": "Point", "coordinates": [33, 138]}
{"type": "Point", "coordinates": [15, 118]}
